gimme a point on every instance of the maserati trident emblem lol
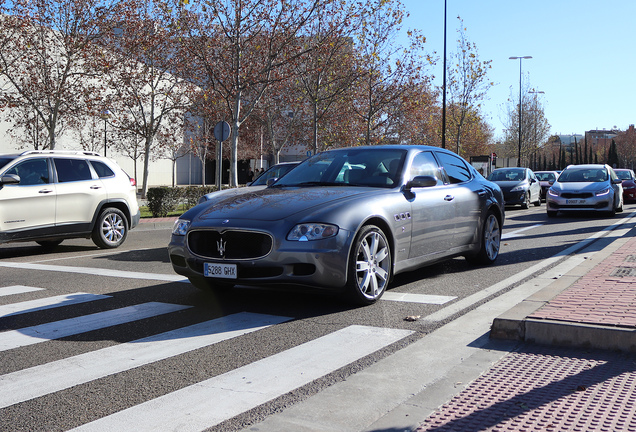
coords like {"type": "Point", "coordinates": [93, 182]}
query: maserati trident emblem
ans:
{"type": "Point", "coordinates": [220, 246]}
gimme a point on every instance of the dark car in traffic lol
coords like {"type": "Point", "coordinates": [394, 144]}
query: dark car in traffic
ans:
{"type": "Point", "coordinates": [346, 220]}
{"type": "Point", "coordinates": [519, 185]}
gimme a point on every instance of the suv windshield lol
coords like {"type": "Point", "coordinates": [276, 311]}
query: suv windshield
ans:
{"type": "Point", "coordinates": [349, 167]}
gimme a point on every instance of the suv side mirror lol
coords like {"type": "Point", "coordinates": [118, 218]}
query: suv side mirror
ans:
{"type": "Point", "coordinates": [271, 181]}
{"type": "Point", "coordinates": [617, 181]}
{"type": "Point", "coordinates": [9, 179]}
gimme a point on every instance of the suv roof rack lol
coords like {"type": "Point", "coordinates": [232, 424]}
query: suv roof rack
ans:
{"type": "Point", "coordinates": [71, 152]}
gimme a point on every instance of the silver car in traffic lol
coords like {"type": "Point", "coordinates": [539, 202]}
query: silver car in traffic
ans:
{"type": "Point", "coordinates": [345, 220]}
{"type": "Point", "coordinates": [586, 188]}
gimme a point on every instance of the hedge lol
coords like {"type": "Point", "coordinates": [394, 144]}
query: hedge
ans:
{"type": "Point", "coordinates": [163, 200]}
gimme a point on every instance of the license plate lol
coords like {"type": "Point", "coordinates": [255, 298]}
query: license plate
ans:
{"type": "Point", "coordinates": [223, 271]}
{"type": "Point", "coordinates": [575, 201]}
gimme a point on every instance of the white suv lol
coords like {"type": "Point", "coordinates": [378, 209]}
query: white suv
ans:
{"type": "Point", "coordinates": [47, 196]}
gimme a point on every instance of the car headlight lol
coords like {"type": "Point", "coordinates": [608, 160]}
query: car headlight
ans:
{"type": "Point", "coordinates": [180, 227]}
{"type": "Point", "coordinates": [603, 192]}
{"type": "Point", "coordinates": [552, 192]}
{"type": "Point", "coordinates": [519, 188]}
{"type": "Point", "coordinates": [629, 187]}
{"type": "Point", "coordinates": [312, 231]}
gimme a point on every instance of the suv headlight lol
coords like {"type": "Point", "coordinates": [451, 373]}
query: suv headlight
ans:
{"type": "Point", "coordinates": [312, 231]}
{"type": "Point", "coordinates": [603, 192]}
{"type": "Point", "coordinates": [553, 193]}
{"type": "Point", "coordinates": [180, 227]}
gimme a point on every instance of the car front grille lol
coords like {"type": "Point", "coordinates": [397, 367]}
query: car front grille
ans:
{"type": "Point", "coordinates": [229, 244]}
{"type": "Point", "coordinates": [571, 195]}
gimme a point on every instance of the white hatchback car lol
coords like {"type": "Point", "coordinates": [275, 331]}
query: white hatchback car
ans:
{"type": "Point", "coordinates": [47, 196]}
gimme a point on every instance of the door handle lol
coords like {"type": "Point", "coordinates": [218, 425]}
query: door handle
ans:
{"type": "Point", "coordinates": [45, 191]}
{"type": "Point", "coordinates": [449, 198]}
{"type": "Point", "coordinates": [96, 187]}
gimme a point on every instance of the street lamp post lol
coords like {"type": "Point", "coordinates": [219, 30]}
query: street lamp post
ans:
{"type": "Point", "coordinates": [520, 107]}
{"type": "Point", "coordinates": [444, 86]}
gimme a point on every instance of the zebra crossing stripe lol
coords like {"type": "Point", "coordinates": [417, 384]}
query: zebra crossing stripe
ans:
{"type": "Point", "coordinates": [72, 326]}
{"type": "Point", "coordinates": [48, 303]}
{"type": "Point", "coordinates": [96, 271]}
{"type": "Point", "coordinates": [208, 403]}
{"type": "Point", "coordinates": [41, 380]}
{"type": "Point", "coordinates": [17, 289]}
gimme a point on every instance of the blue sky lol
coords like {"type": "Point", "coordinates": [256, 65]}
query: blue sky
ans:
{"type": "Point", "coordinates": [583, 55]}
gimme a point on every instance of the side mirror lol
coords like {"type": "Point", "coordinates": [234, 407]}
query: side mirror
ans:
{"type": "Point", "coordinates": [421, 182]}
{"type": "Point", "coordinates": [551, 182]}
{"type": "Point", "coordinates": [617, 181]}
{"type": "Point", "coordinates": [271, 181]}
{"type": "Point", "coordinates": [532, 181]}
{"type": "Point", "coordinates": [9, 179]}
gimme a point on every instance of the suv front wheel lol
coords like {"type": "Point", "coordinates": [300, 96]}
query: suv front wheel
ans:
{"type": "Point", "coordinates": [111, 228]}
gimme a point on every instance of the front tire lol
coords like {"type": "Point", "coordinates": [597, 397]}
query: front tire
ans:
{"type": "Point", "coordinates": [111, 229]}
{"type": "Point", "coordinates": [369, 266]}
{"type": "Point", "coordinates": [526, 201]}
{"type": "Point", "coordinates": [490, 242]}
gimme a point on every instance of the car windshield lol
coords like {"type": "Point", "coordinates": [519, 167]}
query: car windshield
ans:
{"type": "Point", "coordinates": [277, 171]}
{"type": "Point", "coordinates": [624, 175]}
{"type": "Point", "coordinates": [583, 175]}
{"type": "Point", "coordinates": [507, 175]}
{"type": "Point", "coordinates": [545, 176]}
{"type": "Point", "coordinates": [366, 167]}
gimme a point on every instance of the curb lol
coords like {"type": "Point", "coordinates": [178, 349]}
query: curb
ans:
{"type": "Point", "coordinates": [517, 323]}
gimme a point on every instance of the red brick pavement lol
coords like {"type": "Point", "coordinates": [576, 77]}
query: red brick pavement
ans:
{"type": "Point", "coordinates": [606, 295]}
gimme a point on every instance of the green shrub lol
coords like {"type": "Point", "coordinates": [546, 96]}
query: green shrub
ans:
{"type": "Point", "coordinates": [162, 200]}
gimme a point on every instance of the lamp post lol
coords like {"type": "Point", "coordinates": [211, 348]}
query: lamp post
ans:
{"type": "Point", "coordinates": [520, 107]}
{"type": "Point", "coordinates": [444, 86]}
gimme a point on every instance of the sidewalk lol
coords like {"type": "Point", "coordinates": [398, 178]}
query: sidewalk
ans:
{"type": "Point", "coordinates": [578, 370]}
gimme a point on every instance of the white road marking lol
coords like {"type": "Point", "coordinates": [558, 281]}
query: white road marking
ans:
{"type": "Point", "coordinates": [17, 289]}
{"type": "Point", "coordinates": [72, 326]}
{"type": "Point", "coordinates": [97, 272]}
{"type": "Point", "coordinates": [516, 233]}
{"type": "Point", "coordinates": [48, 303]}
{"type": "Point", "coordinates": [41, 380]}
{"type": "Point", "coordinates": [417, 298]}
{"type": "Point", "coordinates": [213, 401]}
{"type": "Point", "coordinates": [570, 263]}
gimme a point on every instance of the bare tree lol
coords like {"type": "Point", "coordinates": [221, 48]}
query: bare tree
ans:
{"type": "Point", "coordinates": [46, 55]}
{"type": "Point", "coordinates": [242, 47]}
{"type": "Point", "coordinates": [142, 71]}
{"type": "Point", "coordinates": [467, 86]}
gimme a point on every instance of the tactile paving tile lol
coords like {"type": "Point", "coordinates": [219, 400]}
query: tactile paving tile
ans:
{"type": "Point", "coordinates": [546, 389]}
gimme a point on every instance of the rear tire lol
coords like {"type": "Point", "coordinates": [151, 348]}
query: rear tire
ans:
{"type": "Point", "coordinates": [111, 228]}
{"type": "Point", "coordinates": [370, 266]}
{"type": "Point", "coordinates": [490, 242]}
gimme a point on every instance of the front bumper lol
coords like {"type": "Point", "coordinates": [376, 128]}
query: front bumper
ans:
{"type": "Point", "coordinates": [321, 263]}
{"type": "Point", "coordinates": [587, 204]}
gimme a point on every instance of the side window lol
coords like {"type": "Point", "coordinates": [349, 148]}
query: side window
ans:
{"type": "Point", "coordinates": [31, 172]}
{"type": "Point", "coordinates": [69, 170]}
{"type": "Point", "coordinates": [424, 164]}
{"type": "Point", "coordinates": [455, 167]}
{"type": "Point", "coordinates": [102, 169]}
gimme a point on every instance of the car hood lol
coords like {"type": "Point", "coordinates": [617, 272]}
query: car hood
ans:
{"type": "Point", "coordinates": [275, 203]}
{"type": "Point", "coordinates": [507, 185]}
{"type": "Point", "coordinates": [580, 186]}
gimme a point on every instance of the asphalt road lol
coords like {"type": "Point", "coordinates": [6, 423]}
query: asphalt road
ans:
{"type": "Point", "coordinates": [109, 339]}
